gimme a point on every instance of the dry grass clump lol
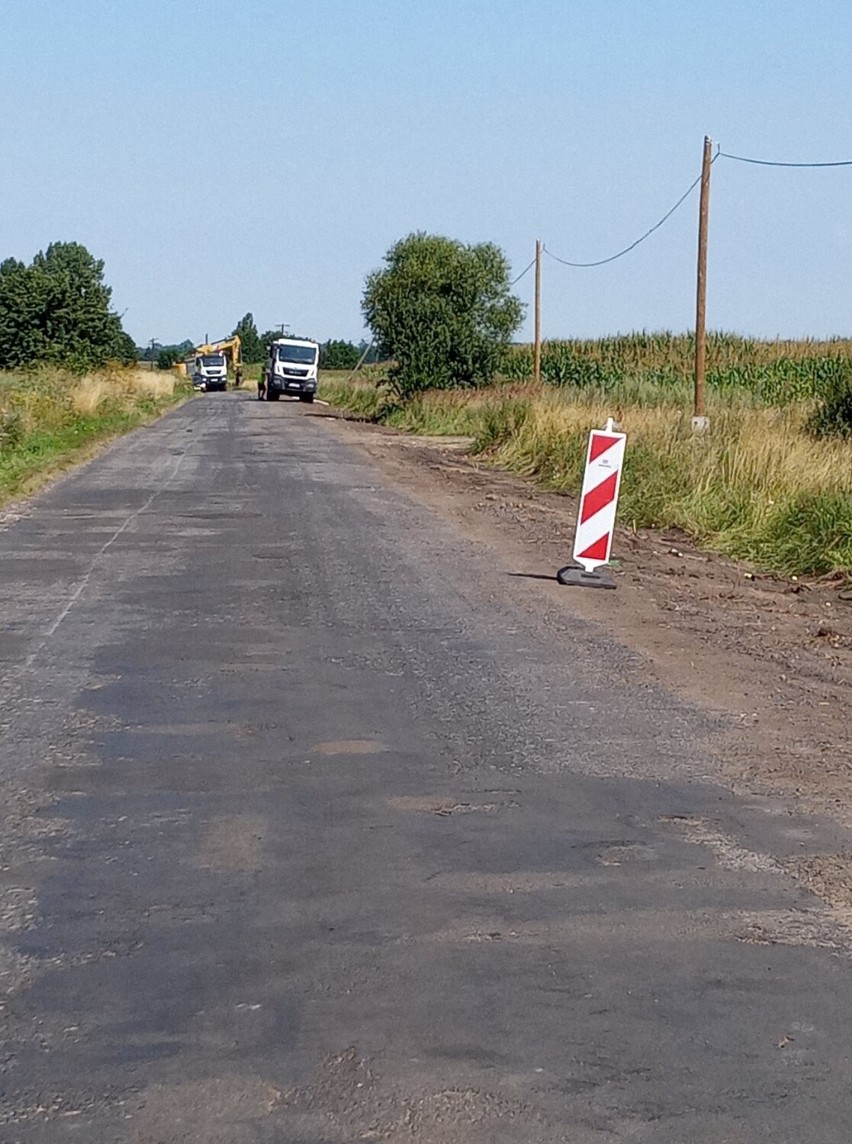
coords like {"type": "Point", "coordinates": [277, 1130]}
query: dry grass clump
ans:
{"type": "Point", "coordinates": [121, 386]}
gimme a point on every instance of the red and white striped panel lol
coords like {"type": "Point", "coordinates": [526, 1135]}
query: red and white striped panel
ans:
{"type": "Point", "coordinates": [599, 498]}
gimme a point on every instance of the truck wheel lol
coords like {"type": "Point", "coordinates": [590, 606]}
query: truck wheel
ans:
{"type": "Point", "coordinates": [270, 396]}
{"type": "Point", "coordinates": [308, 397]}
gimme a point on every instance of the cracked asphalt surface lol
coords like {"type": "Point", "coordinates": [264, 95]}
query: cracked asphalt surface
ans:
{"type": "Point", "coordinates": [319, 827]}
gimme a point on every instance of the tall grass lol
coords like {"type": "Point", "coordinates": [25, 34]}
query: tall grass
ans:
{"type": "Point", "coordinates": [757, 486]}
{"type": "Point", "coordinates": [48, 416]}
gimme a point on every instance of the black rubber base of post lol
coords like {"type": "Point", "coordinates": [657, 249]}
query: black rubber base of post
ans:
{"type": "Point", "coordinates": [580, 578]}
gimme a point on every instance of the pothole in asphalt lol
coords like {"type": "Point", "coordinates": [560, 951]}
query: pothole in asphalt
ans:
{"type": "Point", "coordinates": [622, 855]}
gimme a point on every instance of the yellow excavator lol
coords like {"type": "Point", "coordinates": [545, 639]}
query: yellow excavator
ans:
{"type": "Point", "coordinates": [208, 365]}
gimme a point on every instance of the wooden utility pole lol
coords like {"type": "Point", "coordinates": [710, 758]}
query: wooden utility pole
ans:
{"type": "Point", "coordinates": [699, 412]}
{"type": "Point", "coordinates": [537, 365]}
{"type": "Point", "coordinates": [359, 363]}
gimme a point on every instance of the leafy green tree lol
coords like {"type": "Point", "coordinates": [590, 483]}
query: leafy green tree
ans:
{"type": "Point", "coordinates": [21, 335]}
{"type": "Point", "coordinates": [57, 309]}
{"type": "Point", "coordinates": [338, 355]}
{"type": "Point", "coordinates": [251, 344]}
{"type": "Point", "coordinates": [442, 311]}
{"type": "Point", "coordinates": [167, 356]}
{"type": "Point", "coordinates": [125, 349]}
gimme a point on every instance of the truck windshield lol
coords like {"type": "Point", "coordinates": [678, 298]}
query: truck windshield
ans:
{"type": "Point", "coordinates": [303, 355]}
{"type": "Point", "coordinates": [212, 359]}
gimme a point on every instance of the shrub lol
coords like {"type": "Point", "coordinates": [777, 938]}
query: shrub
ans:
{"type": "Point", "coordinates": [832, 416]}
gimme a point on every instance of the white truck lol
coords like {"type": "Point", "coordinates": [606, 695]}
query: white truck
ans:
{"type": "Point", "coordinates": [291, 368]}
{"type": "Point", "coordinates": [208, 370]}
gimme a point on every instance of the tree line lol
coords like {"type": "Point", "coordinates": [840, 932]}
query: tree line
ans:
{"type": "Point", "coordinates": [442, 313]}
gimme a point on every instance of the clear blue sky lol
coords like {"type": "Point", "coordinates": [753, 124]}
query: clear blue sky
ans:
{"type": "Point", "coordinates": [263, 155]}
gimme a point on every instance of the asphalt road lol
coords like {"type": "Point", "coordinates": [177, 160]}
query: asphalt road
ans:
{"type": "Point", "coordinates": [319, 827]}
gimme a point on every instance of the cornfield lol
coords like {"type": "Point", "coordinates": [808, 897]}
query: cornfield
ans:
{"type": "Point", "coordinates": [653, 367]}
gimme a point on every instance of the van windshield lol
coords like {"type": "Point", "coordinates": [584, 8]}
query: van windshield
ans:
{"type": "Point", "coordinates": [302, 355]}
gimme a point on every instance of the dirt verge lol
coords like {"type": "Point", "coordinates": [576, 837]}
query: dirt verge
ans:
{"type": "Point", "coordinates": [775, 655]}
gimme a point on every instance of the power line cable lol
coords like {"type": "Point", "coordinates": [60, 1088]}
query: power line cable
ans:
{"type": "Point", "coordinates": [647, 234]}
{"type": "Point", "coordinates": [669, 213]}
{"type": "Point", "coordinates": [772, 163]}
{"type": "Point", "coordinates": [522, 273]}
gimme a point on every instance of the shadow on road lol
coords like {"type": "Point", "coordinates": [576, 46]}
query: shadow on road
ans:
{"type": "Point", "coordinates": [533, 575]}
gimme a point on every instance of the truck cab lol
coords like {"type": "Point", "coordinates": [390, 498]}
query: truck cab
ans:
{"type": "Point", "coordinates": [292, 368]}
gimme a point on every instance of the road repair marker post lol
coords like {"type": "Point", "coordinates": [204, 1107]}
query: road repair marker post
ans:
{"type": "Point", "coordinates": [596, 516]}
